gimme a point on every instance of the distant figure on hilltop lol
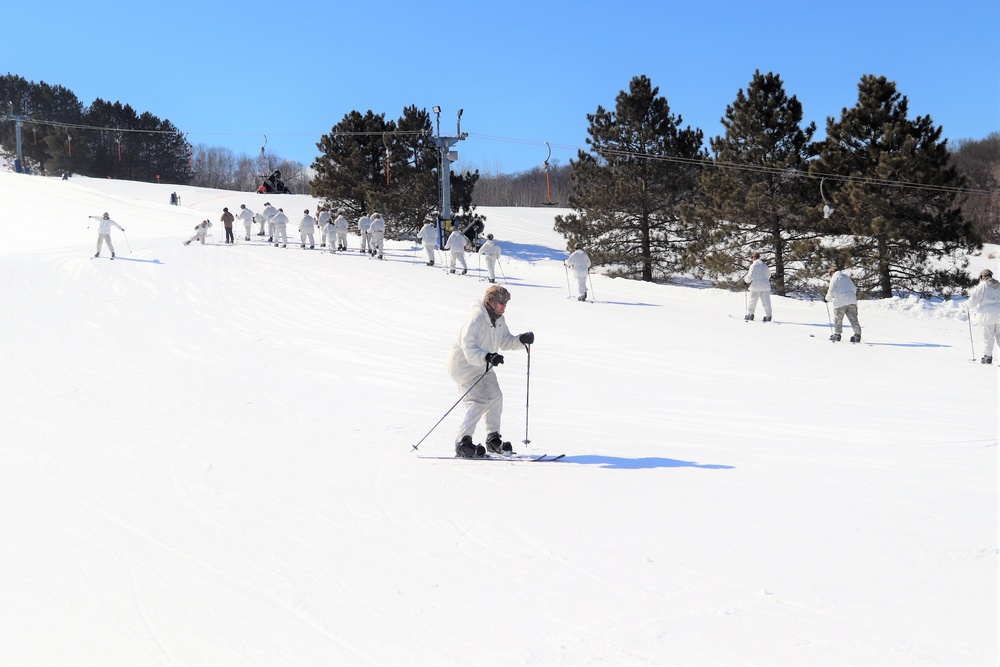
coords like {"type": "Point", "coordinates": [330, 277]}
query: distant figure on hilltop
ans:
{"type": "Point", "coordinates": [844, 296]}
{"type": "Point", "coordinates": [579, 262]}
{"type": "Point", "coordinates": [104, 233]}
{"type": "Point", "coordinates": [984, 310]}
{"type": "Point", "coordinates": [758, 278]}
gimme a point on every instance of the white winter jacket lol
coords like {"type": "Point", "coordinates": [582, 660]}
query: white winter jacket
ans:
{"type": "Point", "coordinates": [758, 277]}
{"type": "Point", "coordinates": [377, 226]}
{"type": "Point", "coordinates": [579, 261]}
{"type": "Point", "coordinates": [428, 233]}
{"type": "Point", "coordinates": [105, 227]}
{"type": "Point", "coordinates": [479, 336]}
{"type": "Point", "coordinates": [364, 224]}
{"type": "Point", "coordinates": [246, 215]}
{"type": "Point", "coordinates": [279, 219]}
{"type": "Point", "coordinates": [457, 242]}
{"type": "Point", "coordinates": [842, 291]}
{"type": "Point", "coordinates": [269, 212]}
{"type": "Point", "coordinates": [340, 224]}
{"type": "Point", "coordinates": [491, 249]}
{"type": "Point", "coordinates": [307, 225]}
{"type": "Point", "coordinates": [984, 303]}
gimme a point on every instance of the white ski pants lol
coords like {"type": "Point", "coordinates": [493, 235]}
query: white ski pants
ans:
{"type": "Point", "coordinates": [581, 283]}
{"type": "Point", "coordinates": [491, 263]}
{"type": "Point", "coordinates": [429, 249]}
{"type": "Point", "coordinates": [484, 401]}
{"type": "Point", "coordinates": [991, 334]}
{"type": "Point", "coordinates": [104, 238]}
{"type": "Point", "coordinates": [366, 241]}
{"type": "Point", "coordinates": [457, 258]}
{"type": "Point", "coordinates": [765, 299]}
{"type": "Point", "coordinates": [377, 241]}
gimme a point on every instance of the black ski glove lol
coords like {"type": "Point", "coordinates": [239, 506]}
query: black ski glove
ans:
{"type": "Point", "coordinates": [527, 338]}
{"type": "Point", "coordinates": [494, 359]}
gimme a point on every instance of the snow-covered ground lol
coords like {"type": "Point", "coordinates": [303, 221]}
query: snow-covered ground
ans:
{"type": "Point", "coordinates": [207, 458]}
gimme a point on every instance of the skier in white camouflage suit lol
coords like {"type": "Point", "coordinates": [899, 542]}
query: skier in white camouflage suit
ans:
{"type": "Point", "coordinates": [457, 244]}
{"type": "Point", "coordinates": [491, 251]}
{"type": "Point", "coordinates": [758, 279]}
{"type": "Point", "coordinates": [984, 310]}
{"type": "Point", "coordinates": [104, 233]}
{"type": "Point", "coordinates": [579, 262]}
{"type": "Point", "coordinates": [377, 232]}
{"type": "Point", "coordinates": [470, 364]}
{"type": "Point", "coordinates": [843, 294]}
{"type": "Point", "coordinates": [428, 236]}
{"type": "Point", "coordinates": [246, 215]}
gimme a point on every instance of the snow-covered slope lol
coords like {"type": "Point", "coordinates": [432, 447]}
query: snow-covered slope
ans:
{"type": "Point", "coordinates": [207, 458]}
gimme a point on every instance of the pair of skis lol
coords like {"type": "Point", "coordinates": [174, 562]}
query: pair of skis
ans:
{"type": "Point", "coordinates": [521, 458]}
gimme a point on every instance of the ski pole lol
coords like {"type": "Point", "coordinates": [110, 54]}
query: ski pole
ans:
{"type": "Point", "coordinates": [828, 318]}
{"type": "Point", "coordinates": [461, 398]}
{"type": "Point", "coordinates": [527, 393]}
{"type": "Point", "coordinates": [502, 273]}
{"type": "Point", "coordinates": [590, 279]}
{"type": "Point", "coordinates": [569, 290]}
{"type": "Point", "coordinates": [968, 318]}
{"type": "Point", "coordinates": [126, 242]}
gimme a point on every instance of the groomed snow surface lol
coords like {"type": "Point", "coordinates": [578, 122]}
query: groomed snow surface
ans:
{"type": "Point", "coordinates": [208, 458]}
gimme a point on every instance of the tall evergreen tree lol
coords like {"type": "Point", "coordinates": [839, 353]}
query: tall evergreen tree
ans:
{"type": "Point", "coordinates": [896, 196]}
{"type": "Point", "coordinates": [367, 163]}
{"type": "Point", "coordinates": [752, 200]}
{"type": "Point", "coordinates": [629, 190]}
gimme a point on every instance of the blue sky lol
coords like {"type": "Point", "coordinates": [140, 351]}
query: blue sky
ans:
{"type": "Point", "coordinates": [525, 73]}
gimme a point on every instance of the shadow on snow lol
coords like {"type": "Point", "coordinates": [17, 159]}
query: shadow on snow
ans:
{"type": "Point", "coordinates": [622, 463]}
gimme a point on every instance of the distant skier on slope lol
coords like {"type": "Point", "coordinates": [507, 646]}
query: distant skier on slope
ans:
{"type": "Point", "coordinates": [579, 262]}
{"type": "Point", "coordinates": [470, 364]}
{"type": "Point", "coordinates": [377, 232]}
{"type": "Point", "coordinates": [984, 310]}
{"type": "Point", "coordinates": [491, 251]}
{"type": "Point", "coordinates": [758, 278]}
{"type": "Point", "coordinates": [456, 246]}
{"type": "Point", "coordinates": [104, 233]}
{"type": "Point", "coordinates": [341, 226]}
{"type": "Point", "coordinates": [246, 215]}
{"type": "Point", "coordinates": [279, 222]}
{"type": "Point", "coordinates": [268, 213]}
{"type": "Point", "coordinates": [325, 220]}
{"type": "Point", "coordinates": [844, 296]}
{"type": "Point", "coordinates": [306, 227]}
{"type": "Point", "coordinates": [364, 225]}
{"type": "Point", "coordinates": [428, 237]}
{"type": "Point", "coordinates": [227, 221]}
{"type": "Point", "coordinates": [200, 230]}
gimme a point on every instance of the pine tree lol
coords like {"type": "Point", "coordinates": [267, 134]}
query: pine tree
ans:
{"type": "Point", "coordinates": [753, 199]}
{"type": "Point", "coordinates": [896, 195]}
{"type": "Point", "coordinates": [629, 190]}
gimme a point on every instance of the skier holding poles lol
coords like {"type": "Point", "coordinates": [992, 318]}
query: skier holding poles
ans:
{"type": "Point", "coordinates": [579, 261]}
{"type": "Point", "coordinates": [480, 340]}
{"type": "Point", "coordinates": [491, 251]}
{"type": "Point", "coordinates": [984, 310]}
{"type": "Point", "coordinates": [104, 233]}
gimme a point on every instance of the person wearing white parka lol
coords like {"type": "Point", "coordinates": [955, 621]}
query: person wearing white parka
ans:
{"type": "Point", "coordinates": [843, 296]}
{"type": "Point", "coordinates": [491, 251]}
{"type": "Point", "coordinates": [104, 233]}
{"type": "Point", "coordinates": [579, 262]}
{"type": "Point", "coordinates": [456, 247]}
{"type": "Point", "coordinates": [377, 235]}
{"type": "Point", "coordinates": [340, 226]}
{"type": "Point", "coordinates": [758, 278]}
{"type": "Point", "coordinates": [984, 311]}
{"type": "Point", "coordinates": [470, 363]}
{"type": "Point", "coordinates": [428, 238]}
{"type": "Point", "coordinates": [246, 215]}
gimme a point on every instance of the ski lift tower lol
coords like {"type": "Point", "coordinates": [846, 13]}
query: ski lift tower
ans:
{"type": "Point", "coordinates": [19, 160]}
{"type": "Point", "coordinates": [445, 157]}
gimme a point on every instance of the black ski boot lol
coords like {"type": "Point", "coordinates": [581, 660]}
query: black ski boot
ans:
{"type": "Point", "coordinates": [582, 297]}
{"type": "Point", "coordinates": [495, 445]}
{"type": "Point", "coordinates": [466, 449]}
{"type": "Point", "coordinates": [835, 338]}
{"type": "Point", "coordinates": [986, 360]}
{"type": "Point", "coordinates": [856, 338]}
{"type": "Point", "coordinates": [748, 318]}
{"type": "Point", "coordinates": [767, 318]}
